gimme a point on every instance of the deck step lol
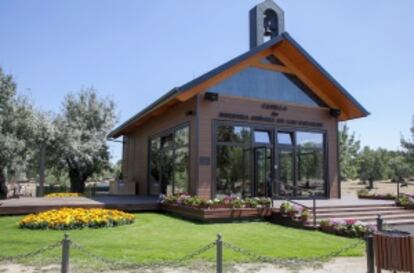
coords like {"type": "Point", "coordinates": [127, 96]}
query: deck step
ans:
{"type": "Point", "coordinates": [392, 222]}
{"type": "Point", "coordinates": [358, 209]}
{"type": "Point", "coordinates": [362, 214]}
{"type": "Point", "coordinates": [366, 213]}
{"type": "Point", "coordinates": [371, 218]}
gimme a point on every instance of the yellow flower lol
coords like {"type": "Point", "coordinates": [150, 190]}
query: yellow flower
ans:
{"type": "Point", "coordinates": [75, 218]}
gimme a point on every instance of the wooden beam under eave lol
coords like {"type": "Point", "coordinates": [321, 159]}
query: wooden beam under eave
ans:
{"type": "Point", "coordinates": [273, 67]}
{"type": "Point", "coordinates": [224, 75]}
{"type": "Point", "coordinates": [154, 113]}
{"type": "Point", "coordinates": [303, 77]}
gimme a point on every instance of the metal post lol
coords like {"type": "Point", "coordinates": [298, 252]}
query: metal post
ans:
{"type": "Point", "coordinates": [219, 254]}
{"type": "Point", "coordinates": [314, 211]}
{"type": "Point", "coordinates": [398, 189]}
{"type": "Point", "coordinates": [369, 240]}
{"type": "Point", "coordinates": [42, 155]}
{"type": "Point", "coordinates": [380, 222]}
{"type": "Point", "coordinates": [65, 254]}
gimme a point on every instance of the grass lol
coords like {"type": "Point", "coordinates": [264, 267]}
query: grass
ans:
{"type": "Point", "coordinates": [157, 237]}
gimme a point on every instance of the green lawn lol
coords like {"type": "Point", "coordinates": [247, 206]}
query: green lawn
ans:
{"type": "Point", "coordinates": [156, 237]}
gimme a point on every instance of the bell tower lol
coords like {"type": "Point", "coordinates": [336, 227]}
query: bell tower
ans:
{"type": "Point", "coordinates": [267, 20]}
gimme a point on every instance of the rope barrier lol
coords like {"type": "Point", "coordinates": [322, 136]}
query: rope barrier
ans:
{"type": "Point", "coordinates": [288, 262]}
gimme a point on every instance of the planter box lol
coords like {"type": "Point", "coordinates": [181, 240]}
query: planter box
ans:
{"type": "Point", "coordinates": [217, 215]}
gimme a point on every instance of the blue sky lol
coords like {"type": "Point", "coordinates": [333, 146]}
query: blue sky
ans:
{"type": "Point", "coordinates": [135, 51]}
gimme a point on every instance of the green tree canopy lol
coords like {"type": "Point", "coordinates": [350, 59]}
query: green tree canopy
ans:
{"type": "Point", "coordinates": [349, 148]}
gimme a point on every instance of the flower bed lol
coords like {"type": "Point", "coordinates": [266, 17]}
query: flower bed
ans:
{"type": "Point", "coordinates": [365, 194]}
{"type": "Point", "coordinates": [349, 228]}
{"type": "Point", "coordinates": [228, 208]}
{"type": "Point", "coordinates": [227, 202]}
{"type": "Point", "coordinates": [63, 194]}
{"type": "Point", "coordinates": [70, 218]}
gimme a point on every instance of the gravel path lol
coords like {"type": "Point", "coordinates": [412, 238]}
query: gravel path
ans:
{"type": "Point", "coordinates": [340, 265]}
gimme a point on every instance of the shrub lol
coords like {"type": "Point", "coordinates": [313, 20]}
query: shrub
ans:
{"type": "Point", "coordinates": [406, 201]}
{"type": "Point", "coordinates": [63, 194]}
{"type": "Point", "coordinates": [366, 194]}
{"type": "Point", "coordinates": [286, 208]}
{"type": "Point", "coordinates": [304, 216]}
{"type": "Point", "coordinates": [76, 218]}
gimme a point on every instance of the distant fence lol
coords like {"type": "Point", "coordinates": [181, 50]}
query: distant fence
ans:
{"type": "Point", "coordinates": [292, 263]}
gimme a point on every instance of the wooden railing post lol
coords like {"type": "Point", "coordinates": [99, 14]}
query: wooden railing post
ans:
{"type": "Point", "coordinates": [369, 241]}
{"type": "Point", "coordinates": [219, 254]}
{"type": "Point", "coordinates": [65, 254]}
{"type": "Point", "coordinates": [380, 222]}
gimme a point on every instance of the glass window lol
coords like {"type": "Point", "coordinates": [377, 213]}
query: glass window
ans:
{"type": "Point", "coordinates": [309, 140]}
{"type": "Point", "coordinates": [232, 175]}
{"type": "Point", "coordinates": [167, 170]}
{"type": "Point", "coordinates": [155, 176]}
{"type": "Point", "coordinates": [236, 134]}
{"type": "Point", "coordinates": [169, 162]}
{"type": "Point", "coordinates": [262, 137]}
{"type": "Point", "coordinates": [267, 85]}
{"type": "Point", "coordinates": [182, 136]}
{"type": "Point", "coordinates": [285, 138]}
{"type": "Point", "coordinates": [301, 167]}
{"type": "Point", "coordinates": [181, 170]}
{"type": "Point", "coordinates": [311, 179]}
{"type": "Point", "coordinates": [167, 141]}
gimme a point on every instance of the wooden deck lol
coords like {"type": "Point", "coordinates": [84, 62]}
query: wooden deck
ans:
{"type": "Point", "coordinates": [32, 205]}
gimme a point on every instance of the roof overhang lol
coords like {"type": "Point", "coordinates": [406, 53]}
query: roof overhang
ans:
{"type": "Point", "coordinates": [285, 48]}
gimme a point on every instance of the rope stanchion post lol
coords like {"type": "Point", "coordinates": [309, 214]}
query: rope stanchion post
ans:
{"type": "Point", "coordinates": [369, 242]}
{"type": "Point", "coordinates": [219, 254]}
{"type": "Point", "coordinates": [65, 254]}
{"type": "Point", "coordinates": [314, 211]}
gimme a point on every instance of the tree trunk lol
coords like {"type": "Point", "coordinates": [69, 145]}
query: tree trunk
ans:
{"type": "Point", "coordinates": [371, 183]}
{"type": "Point", "coordinates": [77, 181]}
{"type": "Point", "coordinates": [3, 187]}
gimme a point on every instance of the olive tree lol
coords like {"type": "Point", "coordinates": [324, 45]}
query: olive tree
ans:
{"type": "Point", "coordinates": [80, 145]}
{"type": "Point", "coordinates": [349, 147]}
{"type": "Point", "coordinates": [408, 146]}
{"type": "Point", "coordinates": [17, 127]}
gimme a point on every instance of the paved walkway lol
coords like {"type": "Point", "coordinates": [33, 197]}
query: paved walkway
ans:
{"type": "Point", "coordinates": [338, 265]}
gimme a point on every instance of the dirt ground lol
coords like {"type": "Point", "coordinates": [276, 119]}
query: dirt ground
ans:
{"type": "Point", "coordinates": [380, 187]}
{"type": "Point", "coordinates": [340, 265]}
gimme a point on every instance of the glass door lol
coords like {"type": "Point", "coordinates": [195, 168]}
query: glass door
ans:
{"type": "Point", "coordinates": [286, 172]}
{"type": "Point", "coordinates": [262, 167]}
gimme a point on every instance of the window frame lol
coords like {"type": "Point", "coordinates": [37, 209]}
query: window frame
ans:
{"type": "Point", "coordinates": [173, 147]}
{"type": "Point", "coordinates": [296, 151]}
{"type": "Point", "coordinates": [275, 147]}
